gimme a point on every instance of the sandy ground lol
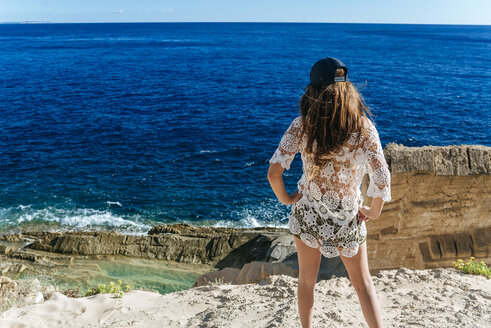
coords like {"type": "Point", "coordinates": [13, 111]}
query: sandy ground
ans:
{"type": "Point", "coordinates": [409, 298]}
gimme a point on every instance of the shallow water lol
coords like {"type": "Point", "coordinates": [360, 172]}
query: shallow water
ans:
{"type": "Point", "coordinates": [83, 273]}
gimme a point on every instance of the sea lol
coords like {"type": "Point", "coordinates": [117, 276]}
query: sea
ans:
{"type": "Point", "coordinates": [122, 126]}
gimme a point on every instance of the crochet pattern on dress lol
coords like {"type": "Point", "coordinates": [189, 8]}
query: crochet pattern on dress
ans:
{"type": "Point", "coordinates": [326, 216]}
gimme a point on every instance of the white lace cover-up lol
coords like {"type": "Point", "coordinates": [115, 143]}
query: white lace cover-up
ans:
{"type": "Point", "coordinates": [326, 216]}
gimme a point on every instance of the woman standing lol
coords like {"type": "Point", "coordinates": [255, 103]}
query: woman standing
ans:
{"type": "Point", "coordinates": [339, 144]}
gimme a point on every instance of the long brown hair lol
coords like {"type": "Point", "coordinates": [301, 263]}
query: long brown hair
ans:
{"type": "Point", "coordinates": [329, 115]}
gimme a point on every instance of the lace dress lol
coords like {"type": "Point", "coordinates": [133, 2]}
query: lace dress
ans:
{"type": "Point", "coordinates": [326, 216]}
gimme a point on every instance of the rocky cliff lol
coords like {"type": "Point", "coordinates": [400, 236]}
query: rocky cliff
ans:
{"type": "Point", "coordinates": [440, 208]}
{"type": "Point", "coordinates": [440, 211]}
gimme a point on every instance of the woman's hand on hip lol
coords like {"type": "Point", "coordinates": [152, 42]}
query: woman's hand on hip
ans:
{"type": "Point", "coordinates": [366, 213]}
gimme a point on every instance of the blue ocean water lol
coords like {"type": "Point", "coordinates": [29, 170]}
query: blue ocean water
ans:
{"type": "Point", "coordinates": [127, 125]}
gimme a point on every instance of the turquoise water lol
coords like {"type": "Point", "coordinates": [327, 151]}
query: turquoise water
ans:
{"type": "Point", "coordinates": [82, 274]}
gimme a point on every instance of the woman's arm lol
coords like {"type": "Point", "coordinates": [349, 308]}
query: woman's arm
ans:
{"type": "Point", "coordinates": [379, 187]}
{"type": "Point", "coordinates": [374, 211]}
{"type": "Point", "coordinates": [275, 177]}
{"type": "Point", "coordinates": [281, 160]}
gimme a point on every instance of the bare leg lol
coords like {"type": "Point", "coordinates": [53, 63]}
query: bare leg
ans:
{"type": "Point", "coordinates": [309, 260]}
{"type": "Point", "coordinates": [357, 267]}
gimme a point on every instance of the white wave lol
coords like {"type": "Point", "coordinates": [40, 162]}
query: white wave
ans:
{"type": "Point", "coordinates": [73, 218]}
{"type": "Point", "coordinates": [268, 214]}
{"type": "Point", "coordinates": [249, 222]}
{"type": "Point", "coordinates": [113, 203]}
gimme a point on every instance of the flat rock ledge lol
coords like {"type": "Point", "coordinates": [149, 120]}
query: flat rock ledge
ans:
{"type": "Point", "coordinates": [177, 242]}
{"type": "Point", "coordinates": [253, 253]}
{"type": "Point", "coordinates": [455, 160]}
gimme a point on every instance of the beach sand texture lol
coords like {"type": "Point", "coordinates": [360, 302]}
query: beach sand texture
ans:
{"type": "Point", "coordinates": [441, 297]}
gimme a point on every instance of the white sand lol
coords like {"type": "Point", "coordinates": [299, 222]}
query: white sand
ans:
{"type": "Point", "coordinates": [409, 298]}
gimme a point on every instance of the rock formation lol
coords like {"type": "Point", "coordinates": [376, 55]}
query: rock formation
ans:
{"type": "Point", "coordinates": [22, 292]}
{"type": "Point", "coordinates": [440, 209]}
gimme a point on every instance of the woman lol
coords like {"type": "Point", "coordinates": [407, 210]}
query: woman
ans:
{"type": "Point", "coordinates": [339, 144]}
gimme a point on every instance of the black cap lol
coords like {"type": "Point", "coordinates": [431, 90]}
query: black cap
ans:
{"type": "Point", "coordinates": [324, 71]}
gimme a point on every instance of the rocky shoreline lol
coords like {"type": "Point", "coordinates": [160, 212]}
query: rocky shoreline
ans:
{"type": "Point", "coordinates": [176, 242]}
{"type": "Point", "coordinates": [245, 251]}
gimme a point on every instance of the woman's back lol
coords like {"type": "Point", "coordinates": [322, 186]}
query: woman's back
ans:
{"type": "Point", "coordinates": [334, 191]}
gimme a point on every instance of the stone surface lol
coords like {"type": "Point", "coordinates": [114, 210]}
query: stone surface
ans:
{"type": "Point", "coordinates": [22, 292]}
{"type": "Point", "coordinates": [456, 160]}
{"type": "Point", "coordinates": [252, 272]}
{"type": "Point", "coordinates": [7, 287]}
{"type": "Point", "coordinates": [13, 237]}
{"type": "Point", "coordinates": [4, 249]}
{"type": "Point", "coordinates": [217, 246]}
{"type": "Point", "coordinates": [282, 249]}
{"type": "Point", "coordinates": [256, 271]}
{"type": "Point", "coordinates": [226, 275]}
{"type": "Point", "coordinates": [408, 159]}
{"type": "Point", "coordinates": [440, 211]}
{"type": "Point", "coordinates": [479, 159]}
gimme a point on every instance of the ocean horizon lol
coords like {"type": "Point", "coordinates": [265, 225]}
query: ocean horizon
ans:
{"type": "Point", "coordinates": [123, 126]}
{"type": "Point", "coordinates": [241, 22]}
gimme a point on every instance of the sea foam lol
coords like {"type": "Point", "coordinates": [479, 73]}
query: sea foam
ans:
{"type": "Point", "coordinates": [63, 219]}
